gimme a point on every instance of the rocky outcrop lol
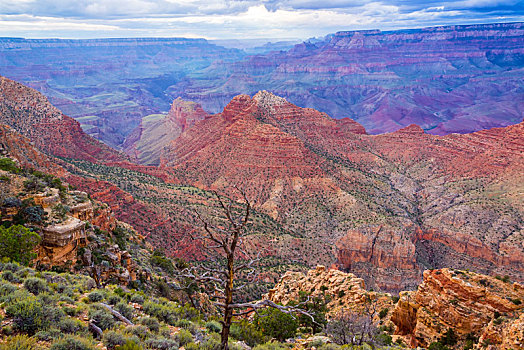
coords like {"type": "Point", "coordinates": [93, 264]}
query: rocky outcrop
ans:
{"type": "Point", "coordinates": [148, 140]}
{"type": "Point", "coordinates": [474, 306]}
{"type": "Point", "coordinates": [345, 291]}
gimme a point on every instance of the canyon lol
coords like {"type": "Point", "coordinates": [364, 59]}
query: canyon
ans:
{"type": "Point", "coordinates": [384, 207]}
{"type": "Point", "coordinates": [454, 79]}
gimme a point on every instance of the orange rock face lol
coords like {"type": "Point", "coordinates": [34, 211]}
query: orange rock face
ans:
{"type": "Point", "coordinates": [471, 304]}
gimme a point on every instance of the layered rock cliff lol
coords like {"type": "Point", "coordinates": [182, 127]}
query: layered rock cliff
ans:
{"type": "Point", "coordinates": [474, 310]}
{"type": "Point", "coordinates": [476, 307]}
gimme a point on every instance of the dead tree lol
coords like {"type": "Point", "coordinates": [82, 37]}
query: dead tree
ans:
{"type": "Point", "coordinates": [224, 246]}
{"type": "Point", "coordinates": [355, 327]}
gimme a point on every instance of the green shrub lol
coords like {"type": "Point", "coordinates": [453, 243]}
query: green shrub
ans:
{"type": "Point", "coordinates": [17, 243]}
{"type": "Point", "coordinates": [70, 342]}
{"type": "Point", "coordinates": [48, 334]}
{"type": "Point", "coordinates": [95, 296]}
{"type": "Point", "coordinates": [383, 313]}
{"type": "Point", "coordinates": [192, 346]}
{"type": "Point", "coordinates": [449, 337]}
{"type": "Point", "coordinates": [7, 164]}
{"type": "Point", "coordinates": [7, 288]}
{"type": "Point", "coordinates": [183, 323]}
{"type": "Point", "coordinates": [137, 298]}
{"type": "Point", "coordinates": [112, 339]}
{"type": "Point", "coordinates": [140, 331]}
{"type": "Point", "coordinates": [19, 342]}
{"type": "Point", "coordinates": [276, 324]}
{"type": "Point", "coordinates": [126, 310]}
{"type": "Point", "coordinates": [35, 285]}
{"type": "Point", "coordinates": [214, 326]}
{"type": "Point", "coordinates": [384, 339]}
{"type": "Point", "coordinates": [151, 323]}
{"type": "Point", "coordinates": [329, 346]}
{"type": "Point", "coordinates": [437, 346]}
{"type": "Point", "coordinates": [129, 345]}
{"type": "Point", "coordinates": [516, 301]}
{"type": "Point", "coordinates": [28, 315]}
{"type": "Point", "coordinates": [113, 299]}
{"type": "Point", "coordinates": [161, 343]}
{"type": "Point", "coordinates": [8, 276]}
{"type": "Point", "coordinates": [211, 343]}
{"type": "Point", "coordinates": [184, 337]}
{"type": "Point", "coordinates": [247, 332]}
{"type": "Point", "coordinates": [71, 326]}
{"type": "Point", "coordinates": [102, 318]}
{"type": "Point", "coordinates": [271, 346]}
{"type": "Point", "coordinates": [468, 345]}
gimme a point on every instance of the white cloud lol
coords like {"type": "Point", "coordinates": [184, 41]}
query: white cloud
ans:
{"type": "Point", "coordinates": [233, 18]}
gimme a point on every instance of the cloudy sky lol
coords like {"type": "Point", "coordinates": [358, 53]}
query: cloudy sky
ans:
{"type": "Point", "coordinates": [239, 19]}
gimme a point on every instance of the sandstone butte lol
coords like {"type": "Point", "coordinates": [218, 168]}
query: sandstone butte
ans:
{"type": "Point", "coordinates": [475, 306]}
{"type": "Point", "coordinates": [384, 207]}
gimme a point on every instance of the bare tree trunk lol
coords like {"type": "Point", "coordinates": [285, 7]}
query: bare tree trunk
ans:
{"type": "Point", "coordinates": [228, 311]}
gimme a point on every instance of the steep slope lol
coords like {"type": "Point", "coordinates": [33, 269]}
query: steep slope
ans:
{"type": "Point", "coordinates": [147, 141]}
{"type": "Point", "coordinates": [389, 205]}
{"type": "Point", "coordinates": [30, 113]}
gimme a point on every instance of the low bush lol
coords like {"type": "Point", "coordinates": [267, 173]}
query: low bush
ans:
{"type": "Point", "coordinates": [129, 345]}
{"type": "Point", "coordinates": [276, 324]}
{"type": "Point", "coordinates": [184, 337]}
{"type": "Point", "coordinates": [102, 318]}
{"type": "Point", "coordinates": [161, 343]}
{"type": "Point", "coordinates": [113, 299]}
{"type": "Point", "coordinates": [95, 296]}
{"type": "Point", "coordinates": [271, 346]}
{"type": "Point", "coordinates": [19, 342]}
{"type": "Point", "coordinates": [247, 332]}
{"type": "Point", "coordinates": [151, 323]}
{"type": "Point", "coordinates": [140, 331]}
{"type": "Point", "coordinates": [70, 342]}
{"type": "Point", "coordinates": [126, 310]}
{"type": "Point", "coordinates": [28, 315]}
{"type": "Point", "coordinates": [71, 326]}
{"type": "Point", "coordinates": [35, 285]}
{"type": "Point", "coordinates": [137, 298]}
{"type": "Point", "coordinates": [214, 326]}
{"type": "Point", "coordinates": [48, 334]}
{"type": "Point", "coordinates": [112, 339]}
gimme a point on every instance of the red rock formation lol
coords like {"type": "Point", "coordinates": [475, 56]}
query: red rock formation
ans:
{"type": "Point", "coordinates": [393, 203]}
